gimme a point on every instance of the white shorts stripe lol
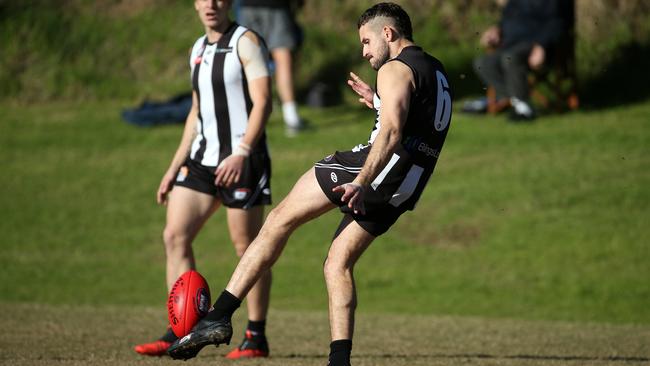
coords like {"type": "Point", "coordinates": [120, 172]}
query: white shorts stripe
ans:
{"type": "Point", "coordinates": [338, 167]}
{"type": "Point", "coordinates": [258, 190]}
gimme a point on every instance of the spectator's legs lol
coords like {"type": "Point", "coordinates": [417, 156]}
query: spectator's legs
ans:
{"type": "Point", "coordinates": [488, 68]}
{"type": "Point", "coordinates": [514, 63]}
{"type": "Point", "coordinates": [284, 81]}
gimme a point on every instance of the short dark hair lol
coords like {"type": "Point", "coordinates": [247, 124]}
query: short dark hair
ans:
{"type": "Point", "coordinates": [389, 10]}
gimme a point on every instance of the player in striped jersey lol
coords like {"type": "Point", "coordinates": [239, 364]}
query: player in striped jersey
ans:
{"type": "Point", "coordinates": [222, 159]}
{"type": "Point", "coordinates": [373, 184]}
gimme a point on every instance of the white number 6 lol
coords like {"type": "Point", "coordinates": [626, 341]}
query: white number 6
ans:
{"type": "Point", "coordinates": [443, 107]}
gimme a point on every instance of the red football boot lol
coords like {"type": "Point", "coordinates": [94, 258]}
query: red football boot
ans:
{"type": "Point", "coordinates": [155, 348]}
{"type": "Point", "coordinates": [253, 346]}
{"type": "Point", "coordinates": [158, 347]}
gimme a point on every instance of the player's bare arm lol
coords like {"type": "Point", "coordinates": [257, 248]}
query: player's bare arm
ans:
{"type": "Point", "coordinates": [395, 83]}
{"type": "Point", "coordinates": [183, 150]}
{"type": "Point", "coordinates": [364, 90]}
{"type": "Point", "coordinates": [254, 62]}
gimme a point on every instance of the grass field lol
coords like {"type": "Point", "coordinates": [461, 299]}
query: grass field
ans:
{"type": "Point", "coordinates": [530, 245]}
{"type": "Point", "coordinates": [81, 335]}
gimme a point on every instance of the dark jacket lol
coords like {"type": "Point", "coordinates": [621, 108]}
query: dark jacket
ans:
{"type": "Point", "coordinates": [535, 21]}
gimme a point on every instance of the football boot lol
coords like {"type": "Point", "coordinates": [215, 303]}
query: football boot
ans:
{"type": "Point", "coordinates": [203, 333]}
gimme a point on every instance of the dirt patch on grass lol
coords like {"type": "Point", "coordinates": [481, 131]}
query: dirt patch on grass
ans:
{"type": "Point", "coordinates": [83, 335]}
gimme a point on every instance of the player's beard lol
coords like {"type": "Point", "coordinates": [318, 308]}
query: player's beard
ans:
{"type": "Point", "coordinates": [381, 56]}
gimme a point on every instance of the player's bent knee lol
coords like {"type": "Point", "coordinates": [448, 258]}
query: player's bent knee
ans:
{"type": "Point", "coordinates": [334, 270]}
{"type": "Point", "coordinates": [278, 220]}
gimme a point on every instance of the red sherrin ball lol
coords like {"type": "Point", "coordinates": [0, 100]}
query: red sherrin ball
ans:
{"type": "Point", "coordinates": [188, 302]}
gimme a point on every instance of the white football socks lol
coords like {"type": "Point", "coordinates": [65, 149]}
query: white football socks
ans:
{"type": "Point", "coordinates": [290, 114]}
{"type": "Point", "coordinates": [521, 107]}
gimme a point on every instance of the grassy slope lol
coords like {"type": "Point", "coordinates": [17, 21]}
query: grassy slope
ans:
{"type": "Point", "coordinates": [547, 221]}
{"type": "Point", "coordinates": [79, 335]}
{"type": "Point", "coordinates": [105, 49]}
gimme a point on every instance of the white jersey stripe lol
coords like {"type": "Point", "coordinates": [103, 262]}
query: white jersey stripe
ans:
{"type": "Point", "coordinates": [208, 112]}
{"type": "Point", "coordinates": [223, 101]}
{"type": "Point", "coordinates": [380, 178]}
{"type": "Point", "coordinates": [408, 186]}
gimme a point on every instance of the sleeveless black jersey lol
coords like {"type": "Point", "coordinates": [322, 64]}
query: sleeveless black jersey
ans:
{"type": "Point", "coordinates": [399, 185]}
{"type": "Point", "coordinates": [403, 179]}
{"type": "Point", "coordinates": [429, 112]}
{"type": "Point", "coordinates": [224, 101]}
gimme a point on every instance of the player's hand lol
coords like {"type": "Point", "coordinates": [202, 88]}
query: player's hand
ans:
{"type": "Point", "coordinates": [166, 185]}
{"type": "Point", "coordinates": [491, 37]}
{"type": "Point", "coordinates": [536, 57]}
{"type": "Point", "coordinates": [353, 194]}
{"type": "Point", "coordinates": [362, 89]}
{"type": "Point", "coordinates": [229, 171]}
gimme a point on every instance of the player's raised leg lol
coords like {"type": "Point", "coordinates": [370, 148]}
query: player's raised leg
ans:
{"type": "Point", "coordinates": [352, 240]}
{"type": "Point", "coordinates": [305, 202]}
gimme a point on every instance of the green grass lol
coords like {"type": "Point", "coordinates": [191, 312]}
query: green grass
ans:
{"type": "Point", "coordinates": [542, 221]}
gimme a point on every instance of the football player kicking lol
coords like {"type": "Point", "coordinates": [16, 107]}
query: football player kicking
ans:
{"type": "Point", "coordinates": [373, 184]}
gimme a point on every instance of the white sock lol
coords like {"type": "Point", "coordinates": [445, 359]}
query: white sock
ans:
{"type": "Point", "coordinates": [521, 107]}
{"type": "Point", "coordinates": [290, 114]}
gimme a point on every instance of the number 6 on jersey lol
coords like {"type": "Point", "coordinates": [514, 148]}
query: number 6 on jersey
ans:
{"type": "Point", "coordinates": [443, 106]}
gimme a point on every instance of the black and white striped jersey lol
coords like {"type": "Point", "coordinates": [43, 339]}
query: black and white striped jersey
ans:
{"type": "Point", "coordinates": [224, 101]}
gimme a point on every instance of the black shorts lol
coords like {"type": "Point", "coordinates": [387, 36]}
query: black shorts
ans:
{"type": "Point", "coordinates": [253, 188]}
{"type": "Point", "coordinates": [381, 208]}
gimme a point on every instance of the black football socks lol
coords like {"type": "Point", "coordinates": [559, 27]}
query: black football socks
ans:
{"type": "Point", "coordinates": [257, 328]}
{"type": "Point", "coordinates": [225, 306]}
{"type": "Point", "coordinates": [169, 336]}
{"type": "Point", "coordinates": [340, 352]}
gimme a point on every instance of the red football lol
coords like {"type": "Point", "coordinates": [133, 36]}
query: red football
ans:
{"type": "Point", "coordinates": [188, 302]}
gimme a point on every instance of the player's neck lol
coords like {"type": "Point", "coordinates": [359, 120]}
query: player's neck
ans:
{"type": "Point", "coordinates": [398, 46]}
{"type": "Point", "coordinates": [214, 34]}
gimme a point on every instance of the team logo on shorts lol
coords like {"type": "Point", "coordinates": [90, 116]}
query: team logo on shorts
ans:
{"type": "Point", "coordinates": [182, 174]}
{"type": "Point", "coordinates": [241, 193]}
{"type": "Point", "coordinates": [334, 177]}
{"type": "Point", "coordinates": [328, 157]}
{"type": "Point", "coordinates": [266, 192]}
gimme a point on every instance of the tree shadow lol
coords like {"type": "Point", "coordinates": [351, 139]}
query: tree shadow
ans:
{"type": "Point", "coordinates": [625, 80]}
